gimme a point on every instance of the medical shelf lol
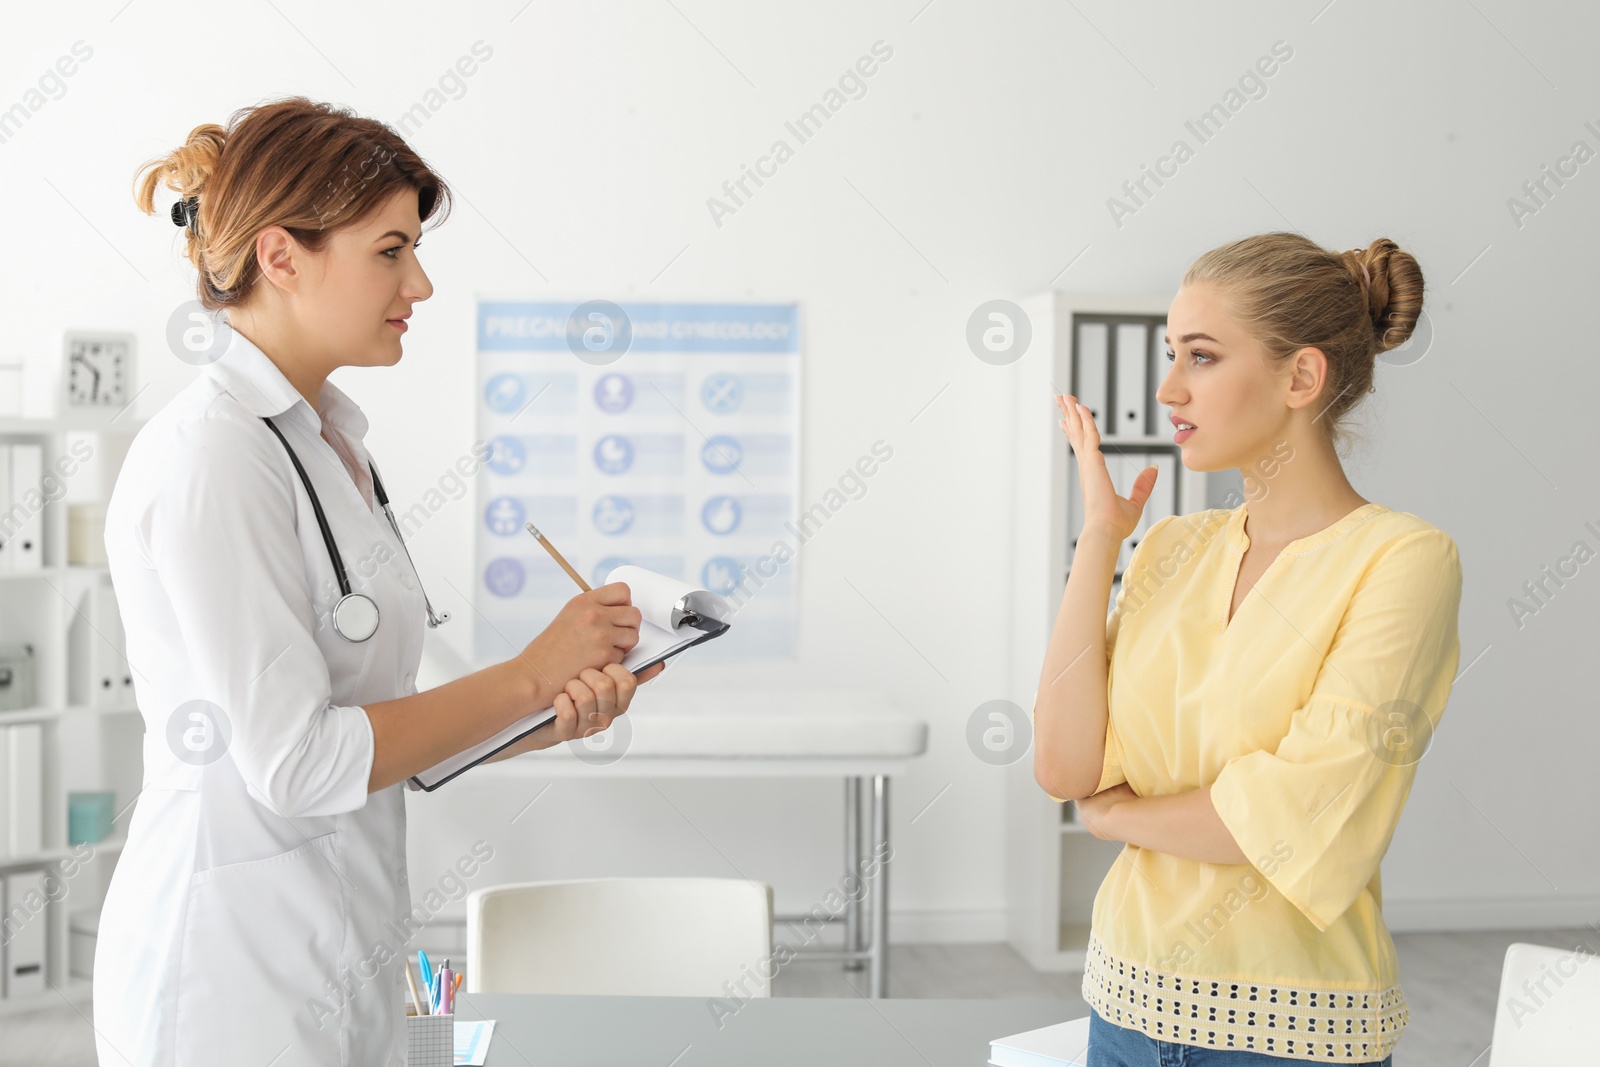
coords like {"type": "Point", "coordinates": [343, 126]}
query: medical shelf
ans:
{"type": "Point", "coordinates": [84, 747]}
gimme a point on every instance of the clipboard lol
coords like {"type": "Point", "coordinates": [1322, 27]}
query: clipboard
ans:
{"type": "Point", "coordinates": [674, 616]}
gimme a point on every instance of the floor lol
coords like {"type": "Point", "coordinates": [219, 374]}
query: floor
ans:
{"type": "Point", "coordinates": [1450, 979]}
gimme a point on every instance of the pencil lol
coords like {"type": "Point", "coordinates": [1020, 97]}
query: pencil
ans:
{"type": "Point", "coordinates": [558, 557]}
{"type": "Point", "coordinates": [416, 1001]}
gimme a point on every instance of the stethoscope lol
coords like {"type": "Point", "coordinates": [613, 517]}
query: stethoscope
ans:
{"type": "Point", "coordinates": [355, 616]}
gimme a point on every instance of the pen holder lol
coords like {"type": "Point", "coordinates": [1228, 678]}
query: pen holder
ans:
{"type": "Point", "coordinates": [430, 1040]}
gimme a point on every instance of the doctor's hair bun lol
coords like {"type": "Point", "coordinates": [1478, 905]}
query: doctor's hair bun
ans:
{"type": "Point", "coordinates": [1288, 293]}
{"type": "Point", "coordinates": [309, 167]}
{"type": "Point", "coordinates": [189, 167]}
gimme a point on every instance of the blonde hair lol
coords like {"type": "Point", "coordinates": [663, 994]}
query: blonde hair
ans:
{"type": "Point", "coordinates": [309, 167]}
{"type": "Point", "coordinates": [1292, 293]}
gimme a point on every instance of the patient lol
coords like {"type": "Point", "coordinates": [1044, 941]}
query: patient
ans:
{"type": "Point", "coordinates": [1250, 718]}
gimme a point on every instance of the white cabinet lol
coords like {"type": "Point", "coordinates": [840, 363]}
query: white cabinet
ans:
{"type": "Point", "coordinates": [1054, 866]}
{"type": "Point", "coordinates": [86, 744]}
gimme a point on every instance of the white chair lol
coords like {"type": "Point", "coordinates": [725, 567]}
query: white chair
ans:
{"type": "Point", "coordinates": [1549, 1001]}
{"type": "Point", "coordinates": [684, 937]}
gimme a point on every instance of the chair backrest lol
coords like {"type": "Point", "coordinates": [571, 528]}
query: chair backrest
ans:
{"type": "Point", "coordinates": [690, 937]}
{"type": "Point", "coordinates": [1549, 1001]}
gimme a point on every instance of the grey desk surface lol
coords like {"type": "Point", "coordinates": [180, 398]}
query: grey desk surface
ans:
{"type": "Point", "coordinates": [580, 1031]}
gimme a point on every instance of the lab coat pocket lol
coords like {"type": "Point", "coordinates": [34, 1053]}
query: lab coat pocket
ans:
{"type": "Point", "coordinates": [261, 938]}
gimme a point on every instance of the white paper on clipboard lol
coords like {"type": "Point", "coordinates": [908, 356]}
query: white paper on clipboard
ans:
{"type": "Point", "coordinates": [673, 616]}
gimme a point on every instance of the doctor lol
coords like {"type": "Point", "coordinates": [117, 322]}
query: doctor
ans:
{"type": "Point", "coordinates": [258, 914]}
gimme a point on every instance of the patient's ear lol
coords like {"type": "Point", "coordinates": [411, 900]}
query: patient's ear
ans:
{"type": "Point", "coordinates": [1309, 377]}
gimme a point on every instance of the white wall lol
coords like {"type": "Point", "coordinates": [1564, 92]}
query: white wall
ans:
{"type": "Point", "coordinates": [977, 165]}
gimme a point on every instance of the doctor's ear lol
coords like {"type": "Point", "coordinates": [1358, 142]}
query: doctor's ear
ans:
{"type": "Point", "coordinates": [279, 257]}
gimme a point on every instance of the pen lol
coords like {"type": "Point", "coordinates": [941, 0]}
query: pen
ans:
{"type": "Point", "coordinates": [449, 986]}
{"type": "Point", "coordinates": [427, 976]}
{"type": "Point", "coordinates": [446, 985]}
{"type": "Point", "coordinates": [559, 558]}
{"type": "Point", "coordinates": [416, 999]}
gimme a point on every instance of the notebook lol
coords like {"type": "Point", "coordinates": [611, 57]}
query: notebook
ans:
{"type": "Point", "coordinates": [674, 616]}
{"type": "Point", "coordinates": [1062, 1045]}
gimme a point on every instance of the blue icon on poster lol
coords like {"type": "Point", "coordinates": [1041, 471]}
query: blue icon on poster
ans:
{"type": "Point", "coordinates": [722, 393]}
{"type": "Point", "coordinates": [506, 455]}
{"type": "Point", "coordinates": [721, 515]}
{"type": "Point", "coordinates": [613, 515]}
{"type": "Point", "coordinates": [613, 454]}
{"type": "Point", "coordinates": [504, 516]}
{"type": "Point", "coordinates": [504, 577]}
{"type": "Point", "coordinates": [721, 454]}
{"type": "Point", "coordinates": [613, 393]}
{"type": "Point", "coordinates": [721, 575]}
{"type": "Point", "coordinates": [503, 393]}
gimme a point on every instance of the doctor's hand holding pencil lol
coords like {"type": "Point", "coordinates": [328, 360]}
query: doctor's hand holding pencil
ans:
{"type": "Point", "coordinates": [592, 698]}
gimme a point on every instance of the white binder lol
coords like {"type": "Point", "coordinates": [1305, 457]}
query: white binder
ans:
{"type": "Point", "coordinates": [112, 684]}
{"type": "Point", "coordinates": [5, 808]}
{"type": "Point", "coordinates": [6, 549]}
{"type": "Point", "coordinates": [95, 641]}
{"type": "Point", "coordinates": [25, 788]}
{"type": "Point", "coordinates": [122, 685]}
{"type": "Point", "coordinates": [1089, 357]}
{"type": "Point", "coordinates": [1133, 356]}
{"type": "Point", "coordinates": [24, 953]}
{"type": "Point", "coordinates": [27, 474]}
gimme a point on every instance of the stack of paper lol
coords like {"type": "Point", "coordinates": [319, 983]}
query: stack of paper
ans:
{"type": "Point", "coordinates": [472, 1041]}
{"type": "Point", "coordinates": [1062, 1045]}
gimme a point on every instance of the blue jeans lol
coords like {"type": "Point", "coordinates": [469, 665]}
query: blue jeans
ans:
{"type": "Point", "coordinates": [1117, 1046]}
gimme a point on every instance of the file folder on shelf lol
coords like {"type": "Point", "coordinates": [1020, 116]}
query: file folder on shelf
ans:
{"type": "Point", "coordinates": [24, 788]}
{"type": "Point", "coordinates": [1090, 366]}
{"type": "Point", "coordinates": [25, 904]}
{"type": "Point", "coordinates": [95, 641]}
{"type": "Point", "coordinates": [1132, 367]}
{"type": "Point", "coordinates": [25, 500]}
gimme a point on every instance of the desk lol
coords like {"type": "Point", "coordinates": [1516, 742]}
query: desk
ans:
{"type": "Point", "coordinates": [856, 735]}
{"type": "Point", "coordinates": [771, 1031]}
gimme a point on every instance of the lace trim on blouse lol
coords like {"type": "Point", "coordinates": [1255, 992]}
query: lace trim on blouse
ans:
{"type": "Point", "coordinates": [1296, 1022]}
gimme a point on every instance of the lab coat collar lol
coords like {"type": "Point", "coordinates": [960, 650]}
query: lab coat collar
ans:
{"type": "Point", "coordinates": [255, 381]}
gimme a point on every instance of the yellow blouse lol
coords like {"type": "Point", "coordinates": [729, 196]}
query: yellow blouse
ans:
{"type": "Point", "coordinates": [1306, 714]}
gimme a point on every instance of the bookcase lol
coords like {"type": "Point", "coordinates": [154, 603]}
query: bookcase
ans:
{"type": "Point", "coordinates": [91, 739]}
{"type": "Point", "coordinates": [1054, 865]}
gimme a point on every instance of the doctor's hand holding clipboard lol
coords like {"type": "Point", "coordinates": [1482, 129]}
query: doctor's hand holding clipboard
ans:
{"type": "Point", "coordinates": [574, 665]}
{"type": "Point", "coordinates": [594, 697]}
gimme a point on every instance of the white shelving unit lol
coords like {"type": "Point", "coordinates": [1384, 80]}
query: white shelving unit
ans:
{"type": "Point", "coordinates": [1054, 865]}
{"type": "Point", "coordinates": [85, 746]}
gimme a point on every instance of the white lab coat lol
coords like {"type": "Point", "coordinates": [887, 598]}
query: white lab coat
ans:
{"type": "Point", "coordinates": [260, 911]}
